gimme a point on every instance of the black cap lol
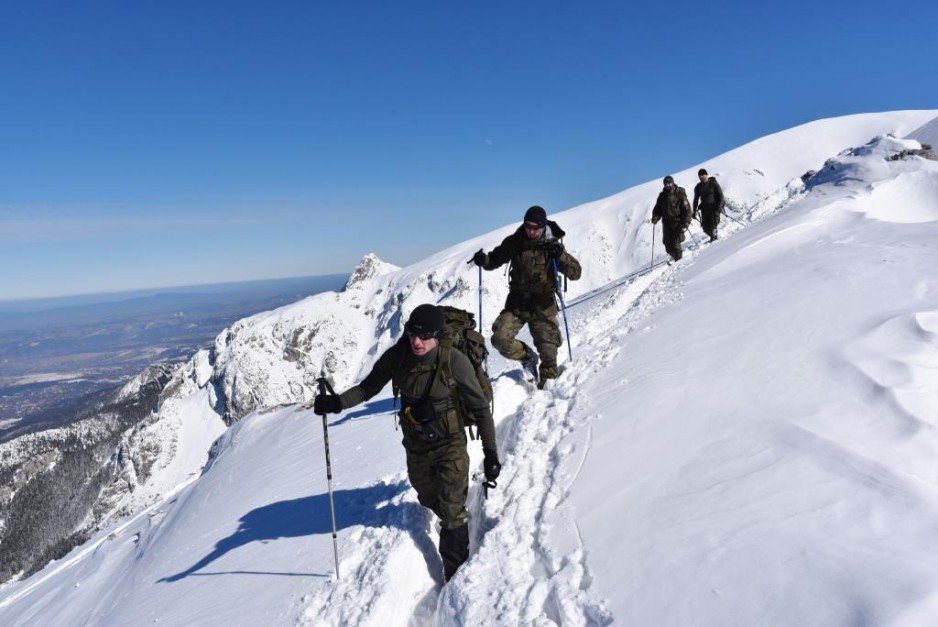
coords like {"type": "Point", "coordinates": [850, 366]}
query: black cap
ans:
{"type": "Point", "coordinates": [668, 179]}
{"type": "Point", "coordinates": [425, 319]}
{"type": "Point", "coordinates": [701, 172]}
{"type": "Point", "coordinates": [536, 214]}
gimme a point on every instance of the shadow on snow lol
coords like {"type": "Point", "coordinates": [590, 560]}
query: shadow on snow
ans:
{"type": "Point", "coordinates": [375, 408]}
{"type": "Point", "coordinates": [370, 507]}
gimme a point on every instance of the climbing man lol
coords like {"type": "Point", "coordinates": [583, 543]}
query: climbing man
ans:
{"type": "Point", "coordinates": [531, 252]}
{"type": "Point", "coordinates": [674, 211]}
{"type": "Point", "coordinates": [433, 394]}
{"type": "Point", "coordinates": [708, 193]}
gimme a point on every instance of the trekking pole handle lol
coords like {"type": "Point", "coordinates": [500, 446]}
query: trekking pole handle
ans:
{"type": "Point", "coordinates": [325, 385]}
{"type": "Point", "coordinates": [486, 484]}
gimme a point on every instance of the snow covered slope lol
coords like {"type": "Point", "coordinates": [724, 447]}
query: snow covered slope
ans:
{"type": "Point", "coordinates": [745, 438]}
{"type": "Point", "coordinates": [926, 134]}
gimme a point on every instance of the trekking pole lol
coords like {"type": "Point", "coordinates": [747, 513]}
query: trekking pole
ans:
{"type": "Point", "coordinates": [325, 387]}
{"type": "Point", "coordinates": [696, 243]}
{"type": "Point", "coordinates": [739, 222]}
{"type": "Point", "coordinates": [480, 299]}
{"type": "Point", "coordinates": [654, 227]}
{"type": "Point", "coordinates": [483, 340]}
{"type": "Point", "coordinates": [563, 307]}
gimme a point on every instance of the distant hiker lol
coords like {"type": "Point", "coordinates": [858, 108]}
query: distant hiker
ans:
{"type": "Point", "coordinates": [432, 396]}
{"type": "Point", "coordinates": [674, 211]}
{"type": "Point", "coordinates": [531, 251]}
{"type": "Point", "coordinates": [708, 193]}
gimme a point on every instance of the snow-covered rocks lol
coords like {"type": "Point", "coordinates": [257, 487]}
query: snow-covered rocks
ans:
{"type": "Point", "coordinates": [368, 268]}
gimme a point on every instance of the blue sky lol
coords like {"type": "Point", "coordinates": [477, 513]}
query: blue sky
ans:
{"type": "Point", "coordinates": [168, 143]}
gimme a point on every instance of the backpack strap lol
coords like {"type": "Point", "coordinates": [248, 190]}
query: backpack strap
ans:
{"type": "Point", "coordinates": [444, 374]}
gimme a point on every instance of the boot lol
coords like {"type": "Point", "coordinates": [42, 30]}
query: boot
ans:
{"type": "Point", "coordinates": [530, 361]}
{"type": "Point", "coordinates": [454, 549]}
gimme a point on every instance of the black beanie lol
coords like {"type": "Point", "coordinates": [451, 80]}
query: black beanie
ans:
{"type": "Point", "coordinates": [536, 214]}
{"type": "Point", "coordinates": [701, 172]}
{"type": "Point", "coordinates": [668, 179]}
{"type": "Point", "coordinates": [425, 319]}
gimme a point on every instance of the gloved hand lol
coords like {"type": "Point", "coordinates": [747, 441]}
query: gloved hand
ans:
{"type": "Point", "coordinates": [327, 404]}
{"type": "Point", "coordinates": [554, 249]}
{"type": "Point", "coordinates": [491, 465]}
{"type": "Point", "coordinates": [655, 220]}
{"type": "Point", "coordinates": [479, 258]}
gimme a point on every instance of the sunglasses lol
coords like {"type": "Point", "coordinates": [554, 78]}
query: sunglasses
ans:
{"type": "Point", "coordinates": [422, 336]}
{"type": "Point", "coordinates": [533, 226]}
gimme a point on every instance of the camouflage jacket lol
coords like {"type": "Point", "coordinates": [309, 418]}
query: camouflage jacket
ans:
{"type": "Point", "coordinates": [531, 284]}
{"type": "Point", "coordinates": [673, 207]}
{"type": "Point", "coordinates": [415, 375]}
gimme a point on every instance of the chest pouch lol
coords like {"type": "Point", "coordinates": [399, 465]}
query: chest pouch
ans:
{"type": "Point", "coordinates": [420, 418]}
{"type": "Point", "coordinates": [422, 421]}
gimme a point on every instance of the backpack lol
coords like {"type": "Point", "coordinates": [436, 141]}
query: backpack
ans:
{"type": "Point", "coordinates": [459, 332]}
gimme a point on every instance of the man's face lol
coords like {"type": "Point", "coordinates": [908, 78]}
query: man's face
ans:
{"type": "Point", "coordinates": [669, 186]}
{"type": "Point", "coordinates": [422, 343]}
{"type": "Point", "coordinates": [703, 178]}
{"type": "Point", "coordinates": [533, 230]}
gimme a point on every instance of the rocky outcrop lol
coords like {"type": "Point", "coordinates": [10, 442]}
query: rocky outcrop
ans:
{"type": "Point", "coordinates": [52, 481]}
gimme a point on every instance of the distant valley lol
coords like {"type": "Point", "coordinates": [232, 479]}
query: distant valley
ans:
{"type": "Point", "coordinates": [58, 356]}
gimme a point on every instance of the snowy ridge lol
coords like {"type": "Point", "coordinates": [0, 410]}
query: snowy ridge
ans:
{"type": "Point", "coordinates": [926, 134]}
{"type": "Point", "coordinates": [670, 457]}
{"type": "Point", "coordinates": [273, 358]}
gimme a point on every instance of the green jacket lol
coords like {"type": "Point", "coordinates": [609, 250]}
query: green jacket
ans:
{"type": "Point", "coordinates": [531, 286]}
{"type": "Point", "coordinates": [673, 207]}
{"type": "Point", "coordinates": [414, 375]}
{"type": "Point", "coordinates": [708, 194]}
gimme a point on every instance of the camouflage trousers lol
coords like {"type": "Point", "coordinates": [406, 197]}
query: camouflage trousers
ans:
{"type": "Point", "coordinates": [673, 236]}
{"type": "Point", "coordinates": [544, 331]}
{"type": "Point", "coordinates": [441, 478]}
{"type": "Point", "coordinates": [709, 220]}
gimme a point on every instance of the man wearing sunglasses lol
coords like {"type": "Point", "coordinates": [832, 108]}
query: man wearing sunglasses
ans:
{"type": "Point", "coordinates": [674, 211]}
{"type": "Point", "coordinates": [434, 437]}
{"type": "Point", "coordinates": [531, 251]}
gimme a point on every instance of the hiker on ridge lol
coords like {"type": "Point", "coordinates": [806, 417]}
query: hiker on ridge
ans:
{"type": "Point", "coordinates": [531, 252]}
{"type": "Point", "coordinates": [674, 211]}
{"type": "Point", "coordinates": [710, 196]}
{"type": "Point", "coordinates": [430, 377]}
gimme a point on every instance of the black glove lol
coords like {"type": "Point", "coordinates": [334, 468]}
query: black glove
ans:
{"type": "Point", "coordinates": [492, 466]}
{"type": "Point", "coordinates": [479, 258]}
{"type": "Point", "coordinates": [327, 404]}
{"type": "Point", "coordinates": [655, 220]}
{"type": "Point", "coordinates": [554, 249]}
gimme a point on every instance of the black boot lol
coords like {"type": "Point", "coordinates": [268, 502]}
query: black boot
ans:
{"type": "Point", "coordinates": [530, 361]}
{"type": "Point", "coordinates": [454, 549]}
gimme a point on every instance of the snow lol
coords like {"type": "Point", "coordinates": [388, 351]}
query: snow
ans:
{"type": "Point", "coordinates": [746, 437]}
{"type": "Point", "coordinates": [927, 133]}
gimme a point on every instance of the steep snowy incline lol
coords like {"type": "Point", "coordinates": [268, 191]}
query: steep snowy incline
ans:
{"type": "Point", "coordinates": [927, 134]}
{"type": "Point", "coordinates": [717, 410]}
{"type": "Point", "coordinates": [764, 449]}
